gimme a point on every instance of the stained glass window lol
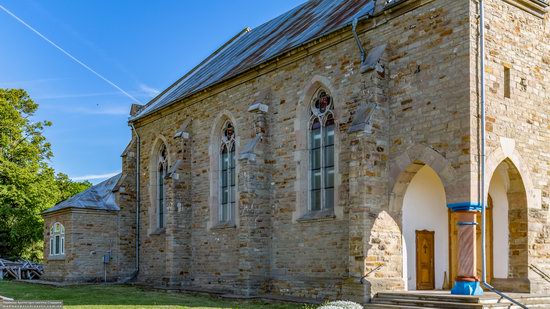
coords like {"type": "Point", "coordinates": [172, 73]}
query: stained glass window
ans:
{"type": "Point", "coordinates": [227, 173]}
{"type": "Point", "coordinates": [321, 153]}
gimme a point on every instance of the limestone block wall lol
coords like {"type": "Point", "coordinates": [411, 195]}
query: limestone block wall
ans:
{"type": "Point", "coordinates": [89, 234]}
{"type": "Point", "coordinates": [56, 269]}
{"type": "Point", "coordinates": [426, 113]}
{"type": "Point", "coordinates": [424, 103]}
{"type": "Point", "coordinates": [518, 131]}
{"type": "Point", "coordinates": [423, 99]}
{"type": "Point", "coordinates": [126, 200]}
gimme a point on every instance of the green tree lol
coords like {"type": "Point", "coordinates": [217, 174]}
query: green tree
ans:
{"type": "Point", "coordinates": [28, 184]}
{"type": "Point", "coordinates": [68, 187]}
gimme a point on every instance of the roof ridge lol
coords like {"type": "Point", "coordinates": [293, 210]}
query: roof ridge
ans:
{"type": "Point", "coordinates": [194, 69]}
{"type": "Point", "coordinates": [97, 194]}
{"type": "Point", "coordinates": [298, 26]}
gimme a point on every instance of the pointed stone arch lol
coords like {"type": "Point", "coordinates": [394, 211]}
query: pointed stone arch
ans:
{"type": "Point", "coordinates": [508, 152]}
{"type": "Point", "coordinates": [214, 156]}
{"type": "Point", "coordinates": [403, 169]}
{"type": "Point", "coordinates": [405, 166]}
{"type": "Point", "coordinates": [158, 144]}
{"type": "Point", "coordinates": [301, 127]}
{"type": "Point", "coordinates": [521, 196]}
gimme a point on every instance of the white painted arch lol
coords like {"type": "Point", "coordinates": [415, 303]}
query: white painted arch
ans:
{"type": "Point", "coordinates": [425, 208]}
{"type": "Point", "coordinates": [498, 190]}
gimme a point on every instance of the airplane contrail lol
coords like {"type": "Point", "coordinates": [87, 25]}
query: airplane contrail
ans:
{"type": "Point", "coordinates": [68, 54]}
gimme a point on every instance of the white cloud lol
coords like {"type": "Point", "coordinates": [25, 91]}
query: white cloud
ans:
{"type": "Point", "coordinates": [149, 91]}
{"type": "Point", "coordinates": [95, 176]}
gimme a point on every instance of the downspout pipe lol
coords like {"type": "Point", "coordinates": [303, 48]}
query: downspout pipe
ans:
{"type": "Point", "coordinates": [483, 137]}
{"type": "Point", "coordinates": [138, 196]}
{"type": "Point", "coordinates": [482, 197]}
{"type": "Point", "coordinates": [356, 36]}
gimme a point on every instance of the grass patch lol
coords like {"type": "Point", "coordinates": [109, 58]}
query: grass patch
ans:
{"type": "Point", "coordinates": [120, 296]}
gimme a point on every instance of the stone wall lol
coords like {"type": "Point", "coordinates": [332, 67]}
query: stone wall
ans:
{"type": "Point", "coordinates": [517, 130]}
{"type": "Point", "coordinates": [417, 104]}
{"type": "Point", "coordinates": [56, 268]}
{"type": "Point", "coordinates": [89, 234]}
{"type": "Point", "coordinates": [126, 200]}
{"type": "Point", "coordinates": [422, 97]}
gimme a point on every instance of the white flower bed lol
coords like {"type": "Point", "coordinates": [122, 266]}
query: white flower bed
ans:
{"type": "Point", "coordinates": [341, 304]}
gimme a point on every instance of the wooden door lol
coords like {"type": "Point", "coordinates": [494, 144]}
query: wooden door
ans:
{"type": "Point", "coordinates": [425, 272]}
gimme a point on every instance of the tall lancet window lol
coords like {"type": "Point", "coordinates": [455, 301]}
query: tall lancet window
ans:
{"type": "Point", "coordinates": [162, 167]}
{"type": "Point", "coordinates": [321, 152]}
{"type": "Point", "coordinates": [227, 173]}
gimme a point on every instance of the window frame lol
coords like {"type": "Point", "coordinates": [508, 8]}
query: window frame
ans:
{"type": "Point", "coordinates": [229, 144]}
{"type": "Point", "coordinates": [57, 240]}
{"type": "Point", "coordinates": [160, 200]}
{"type": "Point", "coordinates": [321, 117]}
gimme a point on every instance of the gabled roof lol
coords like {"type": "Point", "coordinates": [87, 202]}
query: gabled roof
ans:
{"type": "Point", "coordinates": [99, 197]}
{"type": "Point", "coordinates": [251, 48]}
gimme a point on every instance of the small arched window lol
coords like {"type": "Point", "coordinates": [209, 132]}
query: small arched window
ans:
{"type": "Point", "coordinates": [227, 174]}
{"type": "Point", "coordinates": [162, 167]}
{"type": "Point", "coordinates": [321, 152]}
{"type": "Point", "coordinates": [57, 239]}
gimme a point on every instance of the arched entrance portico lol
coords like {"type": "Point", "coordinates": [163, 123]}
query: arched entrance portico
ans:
{"type": "Point", "coordinates": [421, 178]}
{"type": "Point", "coordinates": [508, 196]}
{"type": "Point", "coordinates": [509, 191]}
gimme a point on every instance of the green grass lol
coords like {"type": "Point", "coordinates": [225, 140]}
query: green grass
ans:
{"type": "Point", "coordinates": [119, 296]}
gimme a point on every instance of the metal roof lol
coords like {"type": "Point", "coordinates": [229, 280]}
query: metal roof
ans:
{"type": "Point", "coordinates": [251, 48]}
{"type": "Point", "coordinates": [100, 197]}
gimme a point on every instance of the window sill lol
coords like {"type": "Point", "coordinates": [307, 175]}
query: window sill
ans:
{"type": "Point", "coordinates": [158, 231]}
{"type": "Point", "coordinates": [318, 215]}
{"type": "Point", "coordinates": [60, 257]}
{"type": "Point", "coordinates": [224, 225]}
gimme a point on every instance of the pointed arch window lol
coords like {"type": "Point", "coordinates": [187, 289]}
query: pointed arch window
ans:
{"type": "Point", "coordinates": [57, 239]}
{"type": "Point", "coordinates": [321, 152]}
{"type": "Point", "coordinates": [162, 167]}
{"type": "Point", "coordinates": [227, 174]}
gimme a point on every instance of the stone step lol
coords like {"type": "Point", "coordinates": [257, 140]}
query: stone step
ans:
{"type": "Point", "coordinates": [420, 300]}
{"type": "Point", "coordinates": [431, 297]}
{"type": "Point", "coordinates": [381, 306]}
{"type": "Point", "coordinates": [489, 306]}
{"type": "Point", "coordinates": [427, 303]}
{"type": "Point", "coordinates": [535, 299]}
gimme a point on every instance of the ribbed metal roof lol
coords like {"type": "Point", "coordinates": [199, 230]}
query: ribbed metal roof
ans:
{"type": "Point", "coordinates": [99, 197]}
{"type": "Point", "coordinates": [251, 48]}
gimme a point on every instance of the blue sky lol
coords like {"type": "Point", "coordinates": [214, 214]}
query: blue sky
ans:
{"type": "Point", "coordinates": [141, 46]}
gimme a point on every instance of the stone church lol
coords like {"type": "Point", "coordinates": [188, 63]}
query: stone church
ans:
{"type": "Point", "coordinates": [344, 148]}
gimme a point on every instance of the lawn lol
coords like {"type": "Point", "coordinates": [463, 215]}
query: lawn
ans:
{"type": "Point", "coordinates": [119, 296]}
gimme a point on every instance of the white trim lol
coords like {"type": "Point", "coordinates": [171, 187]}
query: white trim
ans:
{"type": "Point", "coordinates": [57, 239]}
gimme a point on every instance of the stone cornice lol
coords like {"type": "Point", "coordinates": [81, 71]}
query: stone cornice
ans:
{"type": "Point", "coordinates": [71, 210]}
{"type": "Point", "coordinates": [535, 7]}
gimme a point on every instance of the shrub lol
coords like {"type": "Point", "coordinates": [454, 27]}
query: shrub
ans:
{"type": "Point", "coordinates": [341, 304]}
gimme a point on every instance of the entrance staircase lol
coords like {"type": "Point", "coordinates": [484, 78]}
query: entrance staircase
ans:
{"type": "Point", "coordinates": [443, 299]}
